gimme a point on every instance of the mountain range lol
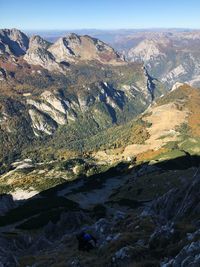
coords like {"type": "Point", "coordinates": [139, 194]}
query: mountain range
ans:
{"type": "Point", "coordinates": [100, 140]}
{"type": "Point", "coordinates": [170, 55]}
{"type": "Point", "coordinates": [59, 88]}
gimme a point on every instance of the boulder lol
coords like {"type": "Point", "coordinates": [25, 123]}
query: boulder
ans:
{"type": "Point", "coordinates": [102, 227]}
{"type": "Point", "coordinates": [162, 236]}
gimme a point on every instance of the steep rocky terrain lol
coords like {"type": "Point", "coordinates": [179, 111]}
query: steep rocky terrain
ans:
{"type": "Point", "coordinates": [38, 54]}
{"type": "Point", "coordinates": [13, 42]}
{"type": "Point", "coordinates": [145, 138]}
{"type": "Point", "coordinates": [170, 56]}
{"type": "Point", "coordinates": [75, 47]}
{"type": "Point", "coordinates": [91, 142]}
{"type": "Point", "coordinates": [49, 93]}
{"type": "Point", "coordinates": [150, 218]}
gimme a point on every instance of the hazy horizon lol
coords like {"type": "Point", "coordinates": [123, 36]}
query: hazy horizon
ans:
{"type": "Point", "coordinates": [102, 15]}
{"type": "Point", "coordinates": [117, 29]}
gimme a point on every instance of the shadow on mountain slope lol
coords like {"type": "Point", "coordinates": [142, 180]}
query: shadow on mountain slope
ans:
{"type": "Point", "coordinates": [49, 204]}
{"type": "Point", "coordinates": [143, 235]}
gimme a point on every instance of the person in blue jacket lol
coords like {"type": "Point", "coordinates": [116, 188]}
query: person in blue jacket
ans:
{"type": "Point", "coordinates": [86, 241]}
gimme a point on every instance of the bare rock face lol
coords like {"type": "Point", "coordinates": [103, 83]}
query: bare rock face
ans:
{"type": "Point", "coordinates": [37, 42]}
{"type": "Point", "coordinates": [63, 48]}
{"type": "Point", "coordinates": [41, 123]}
{"type": "Point", "coordinates": [48, 112]}
{"type": "Point", "coordinates": [37, 54]}
{"type": "Point", "coordinates": [169, 57]}
{"type": "Point", "coordinates": [56, 57]}
{"type": "Point", "coordinates": [162, 236]}
{"type": "Point", "coordinates": [148, 50]}
{"type": "Point", "coordinates": [178, 202]}
{"type": "Point", "coordinates": [188, 256]}
{"type": "Point", "coordinates": [74, 47]}
{"type": "Point", "coordinates": [13, 42]}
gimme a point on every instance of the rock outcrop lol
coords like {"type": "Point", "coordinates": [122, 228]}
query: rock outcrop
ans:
{"type": "Point", "coordinates": [189, 256]}
{"type": "Point", "coordinates": [37, 54]}
{"type": "Point", "coordinates": [56, 57]}
{"type": "Point", "coordinates": [178, 202]}
{"type": "Point", "coordinates": [74, 48]}
{"type": "Point", "coordinates": [169, 57]}
{"type": "Point", "coordinates": [52, 109]}
{"type": "Point", "coordinates": [13, 42]}
{"type": "Point", "coordinates": [41, 122]}
{"type": "Point", "coordinates": [148, 50]}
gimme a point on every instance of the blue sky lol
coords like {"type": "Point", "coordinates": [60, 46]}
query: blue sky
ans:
{"type": "Point", "coordinates": [99, 14]}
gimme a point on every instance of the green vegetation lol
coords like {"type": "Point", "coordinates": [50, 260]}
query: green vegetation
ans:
{"type": "Point", "coordinates": [48, 175]}
{"type": "Point", "coordinates": [180, 95]}
{"type": "Point", "coordinates": [192, 145]}
{"type": "Point", "coordinates": [134, 132]}
{"type": "Point", "coordinates": [171, 154]}
{"type": "Point", "coordinates": [89, 131]}
{"type": "Point", "coordinates": [85, 136]}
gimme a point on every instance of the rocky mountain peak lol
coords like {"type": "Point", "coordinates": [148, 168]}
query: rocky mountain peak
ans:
{"type": "Point", "coordinates": [74, 47]}
{"type": "Point", "coordinates": [38, 42]}
{"type": "Point", "coordinates": [37, 54]}
{"type": "Point", "coordinates": [73, 37]}
{"type": "Point", "coordinates": [62, 49]}
{"type": "Point", "coordinates": [146, 50]}
{"type": "Point", "coordinates": [13, 41]}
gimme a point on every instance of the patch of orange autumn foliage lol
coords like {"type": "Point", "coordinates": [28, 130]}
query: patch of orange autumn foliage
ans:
{"type": "Point", "coordinates": [150, 154]}
{"type": "Point", "coordinates": [194, 108]}
{"type": "Point", "coordinates": [189, 98]}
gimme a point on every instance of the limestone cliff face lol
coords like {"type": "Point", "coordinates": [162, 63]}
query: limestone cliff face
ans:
{"type": "Point", "coordinates": [148, 50]}
{"type": "Point", "coordinates": [70, 49]}
{"type": "Point", "coordinates": [13, 42]}
{"type": "Point", "coordinates": [56, 57]}
{"type": "Point", "coordinates": [169, 57]}
{"type": "Point", "coordinates": [37, 54]}
{"type": "Point", "coordinates": [98, 100]}
{"type": "Point", "coordinates": [41, 122]}
{"type": "Point", "coordinates": [74, 47]}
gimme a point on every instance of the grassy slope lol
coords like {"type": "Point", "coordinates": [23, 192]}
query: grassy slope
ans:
{"type": "Point", "coordinates": [114, 141]}
{"type": "Point", "coordinates": [28, 80]}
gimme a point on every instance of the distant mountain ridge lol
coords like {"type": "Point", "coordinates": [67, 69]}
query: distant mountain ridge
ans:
{"type": "Point", "coordinates": [55, 57]}
{"type": "Point", "coordinates": [170, 55]}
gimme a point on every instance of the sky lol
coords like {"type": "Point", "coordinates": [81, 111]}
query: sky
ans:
{"type": "Point", "coordinates": [99, 14]}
